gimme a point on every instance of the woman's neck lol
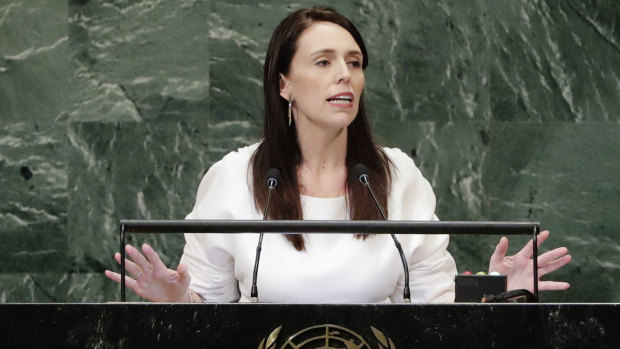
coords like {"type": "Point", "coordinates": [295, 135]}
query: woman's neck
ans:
{"type": "Point", "coordinates": [322, 172]}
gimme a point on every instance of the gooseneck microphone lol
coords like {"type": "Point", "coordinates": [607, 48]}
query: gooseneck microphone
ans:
{"type": "Point", "coordinates": [360, 172]}
{"type": "Point", "coordinates": [273, 176]}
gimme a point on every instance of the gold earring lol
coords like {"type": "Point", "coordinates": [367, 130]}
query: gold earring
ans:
{"type": "Point", "coordinates": [290, 111]}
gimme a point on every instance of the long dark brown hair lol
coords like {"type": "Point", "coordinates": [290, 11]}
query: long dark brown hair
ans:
{"type": "Point", "coordinates": [279, 148]}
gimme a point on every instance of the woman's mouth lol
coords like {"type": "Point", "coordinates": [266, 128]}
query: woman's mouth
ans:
{"type": "Point", "coordinates": [344, 99]}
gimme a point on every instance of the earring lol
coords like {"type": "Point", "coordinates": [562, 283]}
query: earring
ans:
{"type": "Point", "coordinates": [290, 111]}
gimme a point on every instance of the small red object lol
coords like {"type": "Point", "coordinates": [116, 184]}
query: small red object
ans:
{"type": "Point", "coordinates": [467, 272]}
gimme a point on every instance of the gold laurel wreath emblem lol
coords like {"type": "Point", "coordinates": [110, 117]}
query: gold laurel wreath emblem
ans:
{"type": "Point", "coordinates": [324, 334]}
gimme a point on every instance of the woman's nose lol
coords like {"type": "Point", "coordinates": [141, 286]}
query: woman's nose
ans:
{"type": "Point", "coordinates": [344, 72]}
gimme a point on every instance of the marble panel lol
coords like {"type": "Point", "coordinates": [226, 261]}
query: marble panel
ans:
{"type": "Point", "coordinates": [59, 287]}
{"type": "Point", "coordinates": [451, 156]}
{"type": "Point", "coordinates": [509, 108]}
{"type": "Point", "coordinates": [34, 70]}
{"type": "Point", "coordinates": [561, 174]}
{"type": "Point", "coordinates": [238, 38]}
{"type": "Point", "coordinates": [428, 61]}
{"type": "Point", "coordinates": [33, 209]}
{"type": "Point", "coordinates": [130, 171]}
{"type": "Point", "coordinates": [565, 176]}
{"type": "Point", "coordinates": [554, 60]}
{"type": "Point", "coordinates": [138, 61]}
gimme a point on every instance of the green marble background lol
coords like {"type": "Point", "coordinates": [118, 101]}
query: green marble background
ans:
{"type": "Point", "coordinates": [115, 109]}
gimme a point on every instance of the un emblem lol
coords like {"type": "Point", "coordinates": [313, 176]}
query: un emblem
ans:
{"type": "Point", "coordinates": [326, 337]}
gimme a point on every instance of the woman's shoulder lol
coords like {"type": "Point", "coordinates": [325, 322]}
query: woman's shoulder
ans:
{"type": "Point", "coordinates": [233, 166]}
{"type": "Point", "coordinates": [395, 154]}
{"type": "Point", "coordinates": [227, 178]}
{"type": "Point", "coordinates": [411, 195]}
{"type": "Point", "coordinates": [237, 158]}
{"type": "Point", "coordinates": [401, 161]}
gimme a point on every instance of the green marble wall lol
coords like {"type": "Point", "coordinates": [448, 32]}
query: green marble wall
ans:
{"type": "Point", "coordinates": [115, 109]}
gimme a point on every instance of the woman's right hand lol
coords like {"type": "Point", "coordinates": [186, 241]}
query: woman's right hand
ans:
{"type": "Point", "coordinates": [151, 278]}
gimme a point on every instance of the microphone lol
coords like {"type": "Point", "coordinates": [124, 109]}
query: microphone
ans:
{"type": "Point", "coordinates": [273, 177]}
{"type": "Point", "coordinates": [360, 172]}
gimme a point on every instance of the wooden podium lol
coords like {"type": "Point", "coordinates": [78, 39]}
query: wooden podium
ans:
{"type": "Point", "coordinates": [464, 325]}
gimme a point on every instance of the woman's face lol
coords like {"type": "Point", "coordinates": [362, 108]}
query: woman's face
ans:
{"type": "Point", "coordinates": [325, 78]}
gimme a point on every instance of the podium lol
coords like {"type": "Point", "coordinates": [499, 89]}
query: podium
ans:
{"type": "Point", "coordinates": [304, 326]}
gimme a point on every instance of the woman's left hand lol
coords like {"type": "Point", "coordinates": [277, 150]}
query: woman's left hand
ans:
{"type": "Point", "coordinates": [518, 268]}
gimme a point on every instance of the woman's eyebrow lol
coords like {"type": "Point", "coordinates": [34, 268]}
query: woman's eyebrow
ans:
{"type": "Point", "coordinates": [332, 51]}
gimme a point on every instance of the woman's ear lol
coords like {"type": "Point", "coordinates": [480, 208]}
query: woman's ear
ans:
{"type": "Point", "coordinates": [285, 86]}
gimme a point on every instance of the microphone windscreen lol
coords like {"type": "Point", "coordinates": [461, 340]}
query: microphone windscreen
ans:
{"type": "Point", "coordinates": [358, 171]}
{"type": "Point", "coordinates": [273, 174]}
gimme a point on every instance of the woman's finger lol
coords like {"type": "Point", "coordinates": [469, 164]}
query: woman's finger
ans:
{"type": "Point", "coordinates": [552, 286]}
{"type": "Point", "coordinates": [527, 251]}
{"type": "Point", "coordinates": [153, 257]}
{"type": "Point", "coordinates": [112, 275]}
{"type": "Point", "coordinates": [130, 266]}
{"type": "Point", "coordinates": [554, 265]}
{"type": "Point", "coordinates": [499, 253]}
{"type": "Point", "coordinates": [129, 282]}
{"type": "Point", "coordinates": [552, 255]}
{"type": "Point", "coordinates": [139, 259]}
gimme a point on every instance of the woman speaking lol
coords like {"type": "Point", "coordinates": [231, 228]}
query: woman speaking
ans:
{"type": "Point", "coordinates": [315, 131]}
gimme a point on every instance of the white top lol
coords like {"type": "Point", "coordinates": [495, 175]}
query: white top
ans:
{"type": "Point", "coordinates": [335, 268]}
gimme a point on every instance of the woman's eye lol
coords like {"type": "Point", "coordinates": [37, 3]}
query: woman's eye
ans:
{"type": "Point", "coordinates": [322, 63]}
{"type": "Point", "coordinates": [355, 64]}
